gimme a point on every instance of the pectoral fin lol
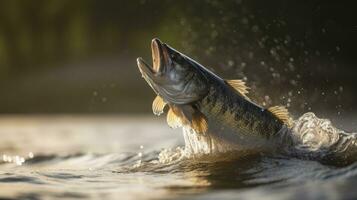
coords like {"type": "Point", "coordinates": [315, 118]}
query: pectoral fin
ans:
{"type": "Point", "coordinates": [199, 122]}
{"type": "Point", "coordinates": [158, 106]}
{"type": "Point", "coordinates": [187, 115]}
{"type": "Point", "coordinates": [173, 120]}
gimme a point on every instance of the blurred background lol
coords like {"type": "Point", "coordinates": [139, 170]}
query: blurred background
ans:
{"type": "Point", "coordinates": [62, 56]}
{"type": "Point", "coordinates": [75, 114]}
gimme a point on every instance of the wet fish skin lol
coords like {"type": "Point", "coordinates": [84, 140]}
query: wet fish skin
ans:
{"type": "Point", "coordinates": [175, 79]}
{"type": "Point", "coordinates": [201, 100]}
{"type": "Point", "coordinates": [226, 106]}
{"type": "Point", "coordinates": [217, 116]}
{"type": "Point", "coordinates": [250, 125]}
{"type": "Point", "coordinates": [236, 124]}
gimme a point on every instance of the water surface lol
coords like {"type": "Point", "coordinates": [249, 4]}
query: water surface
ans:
{"type": "Point", "coordinates": [139, 157]}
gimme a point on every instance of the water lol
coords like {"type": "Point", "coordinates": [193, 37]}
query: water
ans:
{"type": "Point", "coordinates": [79, 157]}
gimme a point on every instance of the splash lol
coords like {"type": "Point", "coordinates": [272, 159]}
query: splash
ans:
{"type": "Point", "coordinates": [310, 138]}
{"type": "Point", "coordinates": [318, 139]}
{"type": "Point", "coordinates": [315, 134]}
{"type": "Point", "coordinates": [18, 160]}
{"type": "Point", "coordinates": [171, 155]}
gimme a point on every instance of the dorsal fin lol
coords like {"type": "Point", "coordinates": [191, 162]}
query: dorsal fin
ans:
{"type": "Point", "coordinates": [282, 113]}
{"type": "Point", "coordinates": [239, 85]}
{"type": "Point", "coordinates": [158, 106]}
{"type": "Point", "coordinates": [199, 123]}
{"type": "Point", "coordinates": [173, 120]}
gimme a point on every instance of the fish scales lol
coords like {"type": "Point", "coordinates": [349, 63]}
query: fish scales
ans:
{"type": "Point", "coordinates": [215, 113]}
{"type": "Point", "coordinates": [223, 105]}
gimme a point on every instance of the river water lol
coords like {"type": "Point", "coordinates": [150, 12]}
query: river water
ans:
{"type": "Point", "coordinates": [139, 157]}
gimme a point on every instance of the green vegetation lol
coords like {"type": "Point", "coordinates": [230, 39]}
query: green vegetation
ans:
{"type": "Point", "coordinates": [60, 49]}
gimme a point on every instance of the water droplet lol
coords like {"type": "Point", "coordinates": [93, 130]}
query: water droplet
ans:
{"type": "Point", "coordinates": [31, 155]}
{"type": "Point", "coordinates": [230, 63]}
{"type": "Point", "coordinates": [245, 21]}
{"type": "Point", "coordinates": [182, 21]}
{"type": "Point", "coordinates": [255, 28]}
{"type": "Point", "coordinates": [340, 89]}
{"type": "Point", "coordinates": [291, 66]}
{"type": "Point", "coordinates": [214, 34]}
{"type": "Point", "coordinates": [293, 82]}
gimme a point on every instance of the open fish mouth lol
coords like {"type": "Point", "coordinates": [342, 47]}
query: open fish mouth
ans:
{"type": "Point", "coordinates": [159, 56]}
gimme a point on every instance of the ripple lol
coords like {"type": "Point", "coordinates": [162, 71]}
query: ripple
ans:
{"type": "Point", "coordinates": [20, 179]}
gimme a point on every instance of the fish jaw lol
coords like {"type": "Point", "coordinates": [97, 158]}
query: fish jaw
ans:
{"type": "Point", "coordinates": [157, 60]}
{"type": "Point", "coordinates": [174, 76]}
{"type": "Point", "coordinates": [153, 74]}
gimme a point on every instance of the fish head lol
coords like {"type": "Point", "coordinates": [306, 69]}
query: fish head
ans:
{"type": "Point", "coordinates": [174, 77]}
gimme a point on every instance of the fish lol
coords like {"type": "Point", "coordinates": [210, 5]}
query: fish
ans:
{"type": "Point", "coordinates": [216, 114]}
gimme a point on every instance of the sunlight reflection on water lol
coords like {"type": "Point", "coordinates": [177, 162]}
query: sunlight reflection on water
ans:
{"type": "Point", "coordinates": [141, 158]}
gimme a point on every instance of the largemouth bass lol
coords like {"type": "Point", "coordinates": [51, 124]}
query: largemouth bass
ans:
{"type": "Point", "coordinates": [216, 114]}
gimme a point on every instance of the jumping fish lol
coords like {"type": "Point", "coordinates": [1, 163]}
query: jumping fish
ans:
{"type": "Point", "coordinates": [216, 114]}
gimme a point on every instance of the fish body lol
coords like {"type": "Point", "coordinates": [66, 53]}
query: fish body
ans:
{"type": "Point", "coordinates": [235, 120]}
{"type": "Point", "coordinates": [216, 115]}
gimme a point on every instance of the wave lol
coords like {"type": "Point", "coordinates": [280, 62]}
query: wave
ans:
{"type": "Point", "coordinates": [316, 138]}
